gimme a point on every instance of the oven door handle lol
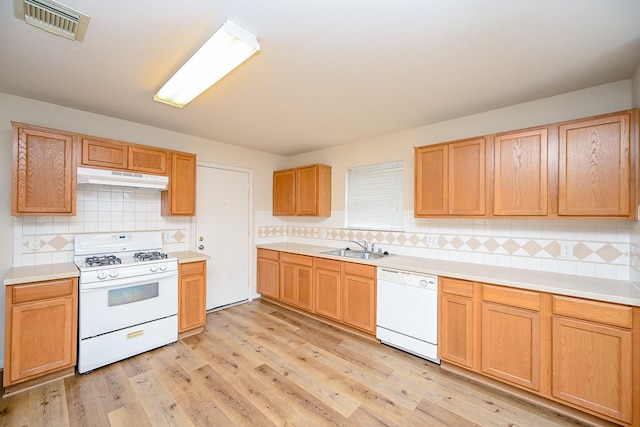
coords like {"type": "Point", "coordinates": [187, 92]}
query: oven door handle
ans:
{"type": "Point", "coordinates": [116, 283]}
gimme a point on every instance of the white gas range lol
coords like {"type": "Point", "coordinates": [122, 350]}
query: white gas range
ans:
{"type": "Point", "coordinates": [128, 299]}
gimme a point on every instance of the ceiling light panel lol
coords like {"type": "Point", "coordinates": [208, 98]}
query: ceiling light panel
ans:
{"type": "Point", "coordinates": [227, 48]}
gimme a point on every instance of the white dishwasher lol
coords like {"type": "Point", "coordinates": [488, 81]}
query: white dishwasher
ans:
{"type": "Point", "coordinates": [407, 312]}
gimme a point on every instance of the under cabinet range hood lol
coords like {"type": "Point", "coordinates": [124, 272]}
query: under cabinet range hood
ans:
{"type": "Point", "coordinates": [121, 178]}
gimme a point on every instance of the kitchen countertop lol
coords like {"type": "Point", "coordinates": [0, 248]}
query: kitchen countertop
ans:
{"type": "Point", "coordinates": [616, 291]}
{"type": "Point", "coordinates": [189, 256]}
{"type": "Point", "coordinates": [38, 273]}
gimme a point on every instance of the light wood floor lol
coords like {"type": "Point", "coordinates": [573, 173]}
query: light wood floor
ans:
{"type": "Point", "coordinates": [262, 365]}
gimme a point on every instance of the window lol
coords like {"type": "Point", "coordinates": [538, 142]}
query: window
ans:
{"type": "Point", "coordinates": [374, 196]}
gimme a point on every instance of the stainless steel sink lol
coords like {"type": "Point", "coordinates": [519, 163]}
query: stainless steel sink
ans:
{"type": "Point", "coordinates": [349, 253]}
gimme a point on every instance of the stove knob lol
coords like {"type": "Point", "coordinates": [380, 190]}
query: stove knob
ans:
{"type": "Point", "coordinates": [153, 268]}
{"type": "Point", "coordinates": [102, 275]}
{"type": "Point", "coordinates": [163, 266]}
{"type": "Point", "coordinates": [113, 274]}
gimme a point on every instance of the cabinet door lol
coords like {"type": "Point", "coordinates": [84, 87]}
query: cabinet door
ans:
{"type": "Point", "coordinates": [284, 188]}
{"type": "Point", "coordinates": [192, 296]}
{"type": "Point", "coordinates": [520, 173]}
{"type": "Point", "coordinates": [592, 367]}
{"type": "Point", "coordinates": [594, 167]}
{"type": "Point", "coordinates": [104, 154]}
{"type": "Point", "coordinates": [296, 285]}
{"type": "Point", "coordinates": [49, 327]}
{"type": "Point", "coordinates": [43, 179]}
{"type": "Point", "coordinates": [431, 180]}
{"type": "Point", "coordinates": [456, 330]}
{"type": "Point", "coordinates": [511, 344]}
{"type": "Point", "coordinates": [360, 302]}
{"type": "Point", "coordinates": [304, 297]}
{"type": "Point", "coordinates": [147, 160]}
{"type": "Point", "coordinates": [467, 177]}
{"type": "Point", "coordinates": [307, 191]}
{"type": "Point", "coordinates": [268, 266]}
{"type": "Point", "coordinates": [180, 197]}
{"type": "Point", "coordinates": [328, 293]}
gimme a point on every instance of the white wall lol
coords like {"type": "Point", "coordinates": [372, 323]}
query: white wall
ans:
{"type": "Point", "coordinates": [13, 108]}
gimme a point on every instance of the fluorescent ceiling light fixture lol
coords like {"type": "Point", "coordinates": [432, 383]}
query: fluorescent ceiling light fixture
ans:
{"type": "Point", "coordinates": [227, 48]}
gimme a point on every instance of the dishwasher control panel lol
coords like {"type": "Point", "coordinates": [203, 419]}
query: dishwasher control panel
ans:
{"type": "Point", "coordinates": [418, 280]}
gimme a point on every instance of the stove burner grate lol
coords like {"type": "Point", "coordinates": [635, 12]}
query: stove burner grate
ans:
{"type": "Point", "coordinates": [97, 261]}
{"type": "Point", "coordinates": [149, 256]}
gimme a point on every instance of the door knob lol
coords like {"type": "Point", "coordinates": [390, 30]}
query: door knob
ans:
{"type": "Point", "coordinates": [201, 247]}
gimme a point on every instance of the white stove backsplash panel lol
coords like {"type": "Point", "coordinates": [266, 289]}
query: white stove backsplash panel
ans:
{"type": "Point", "coordinates": [99, 209]}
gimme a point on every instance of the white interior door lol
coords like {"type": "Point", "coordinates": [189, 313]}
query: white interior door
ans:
{"type": "Point", "coordinates": [222, 232]}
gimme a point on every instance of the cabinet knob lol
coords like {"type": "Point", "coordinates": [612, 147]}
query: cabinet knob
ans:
{"type": "Point", "coordinates": [201, 247]}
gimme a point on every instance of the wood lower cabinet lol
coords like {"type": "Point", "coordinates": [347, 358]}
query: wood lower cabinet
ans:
{"type": "Point", "coordinates": [520, 173]}
{"type": "Point", "coordinates": [593, 357]}
{"type": "Point", "coordinates": [457, 327]}
{"type": "Point", "coordinates": [41, 330]}
{"type": "Point", "coordinates": [450, 179]}
{"type": "Point", "coordinates": [43, 172]}
{"type": "Point", "coordinates": [180, 197]}
{"type": "Point", "coordinates": [296, 280]}
{"type": "Point", "coordinates": [192, 297]}
{"type": "Point", "coordinates": [359, 296]}
{"type": "Point", "coordinates": [594, 166]}
{"type": "Point", "coordinates": [327, 283]}
{"type": "Point", "coordinates": [303, 191]}
{"type": "Point", "coordinates": [512, 335]}
{"type": "Point", "coordinates": [268, 269]}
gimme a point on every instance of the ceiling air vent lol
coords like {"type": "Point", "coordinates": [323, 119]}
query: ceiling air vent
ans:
{"type": "Point", "coordinates": [53, 17]}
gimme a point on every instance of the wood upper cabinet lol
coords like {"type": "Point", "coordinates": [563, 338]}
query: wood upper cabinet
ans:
{"type": "Point", "coordinates": [40, 329]}
{"type": "Point", "coordinates": [327, 283]}
{"type": "Point", "coordinates": [268, 268]}
{"type": "Point", "coordinates": [284, 190]}
{"type": "Point", "coordinates": [594, 166]}
{"type": "Point", "coordinates": [511, 335]}
{"type": "Point", "coordinates": [458, 329]}
{"type": "Point", "coordinates": [520, 173]}
{"type": "Point", "coordinates": [43, 172]}
{"type": "Point", "coordinates": [192, 296]}
{"type": "Point", "coordinates": [359, 296]}
{"type": "Point", "coordinates": [180, 197]}
{"type": "Point", "coordinates": [303, 191]}
{"type": "Point", "coordinates": [296, 280]}
{"type": "Point", "coordinates": [450, 179]}
{"type": "Point", "coordinates": [118, 155]}
{"type": "Point", "coordinates": [593, 357]}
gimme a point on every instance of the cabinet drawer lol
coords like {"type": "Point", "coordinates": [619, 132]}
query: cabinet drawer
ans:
{"type": "Point", "coordinates": [327, 264]}
{"type": "Point", "coordinates": [361, 270]}
{"type": "Point", "coordinates": [41, 290]}
{"type": "Point", "coordinates": [192, 268]}
{"type": "Point", "coordinates": [596, 311]}
{"type": "Point", "coordinates": [296, 259]}
{"type": "Point", "coordinates": [513, 297]}
{"type": "Point", "coordinates": [456, 287]}
{"type": "Point", "coordinates": [268, 254]}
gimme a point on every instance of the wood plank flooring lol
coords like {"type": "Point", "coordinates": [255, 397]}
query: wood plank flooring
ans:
{"type": "Point", "coordinates": [258, 364]}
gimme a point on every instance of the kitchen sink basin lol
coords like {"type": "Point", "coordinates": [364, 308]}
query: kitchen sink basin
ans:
{"type": "Point", "coordinates": [356, 254]}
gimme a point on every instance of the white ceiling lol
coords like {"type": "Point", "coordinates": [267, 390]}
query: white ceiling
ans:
{"type": "Point", "coordinates": [329, 71]}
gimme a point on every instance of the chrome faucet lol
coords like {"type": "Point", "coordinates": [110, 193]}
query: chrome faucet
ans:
{"type": "Point", "coordinates": [364, 245]}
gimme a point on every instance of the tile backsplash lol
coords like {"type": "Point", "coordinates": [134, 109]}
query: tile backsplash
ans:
{"type": "Point", "coordinates": [579, 247]}
{"type": "Point", "coordinates": [99, 209]}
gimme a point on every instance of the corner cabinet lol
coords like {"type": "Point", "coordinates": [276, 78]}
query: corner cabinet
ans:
{"type": "Point", "coordinates": [450, 179]}
{"type": "Point", "coordinates": [192, 298]}
{"type": "Point", "coordinates": [43, 316]}
{"type": "Point", "coordinates": [43, 172]}
{"type": "Point", "coordinates": [180, 197]}
{"type": "Point", "coordinates": [268, 273]}
{"type": "Point", "coordinates": [302, 191]}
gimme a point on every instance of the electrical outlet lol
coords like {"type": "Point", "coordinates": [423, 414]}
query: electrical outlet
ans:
{"type": "Point", "coordinates": [34, 243]}
{"type": "Point", "coordinates": [168, 235]}
{"type": "Point", "coordinates": [432, 240]}
{"type": "Point", "coordinates": [322, 233]}
{"type": "Point", "coordinates": [566, 250]}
